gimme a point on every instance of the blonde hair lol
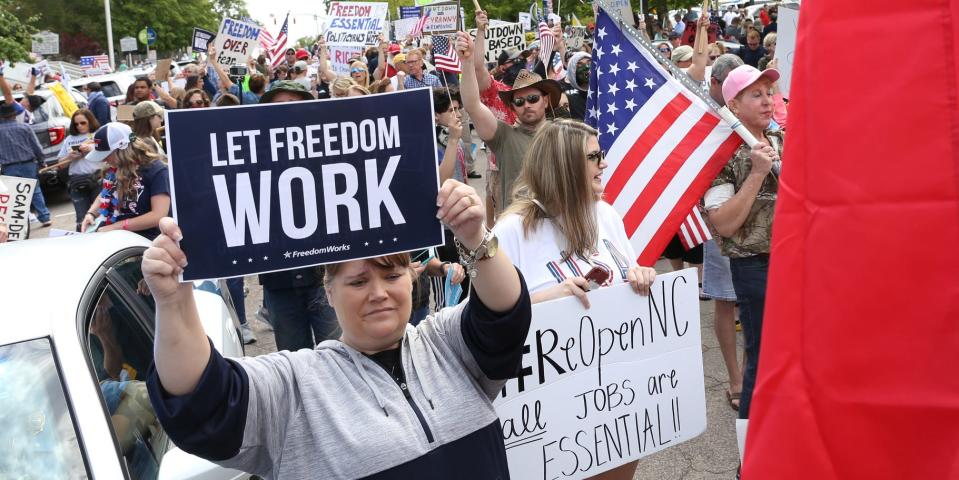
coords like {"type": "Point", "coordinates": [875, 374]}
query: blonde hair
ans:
{"type": "Point", "coordinates": [553, 185]}
{"type": "Point", "coordinates": [769, 40]}
{"type": "Point", "coordinates": [129, 160]}
{"type": "Point", "coordinates": [359, 64]}
{"type": "Point", "coordinates": [721, 48]}
{"type": "Point", "coordinates": [342, 86]}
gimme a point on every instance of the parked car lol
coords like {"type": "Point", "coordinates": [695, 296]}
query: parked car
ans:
{"type": "Point", "coordinates": [51, 126]}
{"type": "Point", "coordinates": [74, 355]}
{"type": "Point", "coordinates": [113, 85]}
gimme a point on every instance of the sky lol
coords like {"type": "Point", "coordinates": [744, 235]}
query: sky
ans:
{"type": "Point", "coordinates": [300, 11]}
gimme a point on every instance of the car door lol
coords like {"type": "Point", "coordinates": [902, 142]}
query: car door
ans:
{"type": "Point", "coordinates": [117, 331]}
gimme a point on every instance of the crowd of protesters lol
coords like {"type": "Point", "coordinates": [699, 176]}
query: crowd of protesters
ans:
{"type": "Point", "coordinates": [543, 200]}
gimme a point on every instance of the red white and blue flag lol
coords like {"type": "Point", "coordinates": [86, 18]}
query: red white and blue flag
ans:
{"type": "Point", "coordinates": [95, 64]}
{"type": "Point", "coordinates": [444, 55]}
{"type": "Point", "coordinates": [276, 51]}
{"type": "Point", "coordinates": [417, 30]}
{"type": "Point", "coordinates": [664, 144]}
{"type": "Point", "coordinates": [694, 231]}
{"type": "Point", "coordinates": [547, 41]}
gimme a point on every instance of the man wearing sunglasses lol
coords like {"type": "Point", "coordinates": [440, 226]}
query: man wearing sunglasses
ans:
{"type": "Point", "coordinates": [529, 99]}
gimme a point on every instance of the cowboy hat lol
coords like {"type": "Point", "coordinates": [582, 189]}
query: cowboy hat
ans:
{"type": "Point", "coordinates": [527, 79]}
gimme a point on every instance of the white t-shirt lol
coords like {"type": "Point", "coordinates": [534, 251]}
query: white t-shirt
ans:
{"type": "Point", "coordinates": [539, 256]}
{"type": "Point", "coordinates": [81, 166]}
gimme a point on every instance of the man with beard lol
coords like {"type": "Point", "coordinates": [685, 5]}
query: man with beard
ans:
{"type": "Point", "coordinates": [576, 84]}
{"type": "Point", "coordinates": [528, 100]}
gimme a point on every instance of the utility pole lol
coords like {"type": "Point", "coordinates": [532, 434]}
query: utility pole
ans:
{"type": "Point", "coordinates": [106, 8]}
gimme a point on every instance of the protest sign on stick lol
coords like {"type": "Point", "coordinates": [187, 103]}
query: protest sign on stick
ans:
{"type": "Point", "coordinates": [340, 56]}
{"type": "Point", "coordinates": [442, 18]}
{"type": "Point", "coordinates": [786, 46]}
{"type": "Point", "coordinates": [356, 23]}
{"type": "Point", "coordinates": [163, 70]}
{"type": "Point", "coordinates": [201, 39]}
{"type": "Point", "coordinates": [235, 42]}
{"type": "Point", "coordinates": [602, 387]}
{"type": "Point", "coordinates": [272, 187]}
{"type": "Point", "coordinates": [16, 194]}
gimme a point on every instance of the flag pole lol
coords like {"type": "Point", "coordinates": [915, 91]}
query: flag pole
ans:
{"type": "Point", "coordinates": [704, 30]}
{"type": "Point", "coordinates": [681, 76]}
{"type": "Point", "coordinates": [477, 5]}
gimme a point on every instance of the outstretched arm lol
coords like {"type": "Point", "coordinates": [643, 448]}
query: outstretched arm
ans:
{"type": "Point", "coordinates": [482, 117]}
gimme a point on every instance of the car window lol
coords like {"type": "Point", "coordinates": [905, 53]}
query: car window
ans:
{"type": "Point", "coordinates": [39, 437]}
{"type": "Point", "coordinates": [127, 274]}
{"type": "Point", "coordinates": [111, 89]}
{"type": "Point", "coordinates": [121, 349]}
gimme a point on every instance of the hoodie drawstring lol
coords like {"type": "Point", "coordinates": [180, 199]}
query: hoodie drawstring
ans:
{"type": "Point", "coordinates": [358, 362]}
{"type": "Point", "coordinates": [422, 379]}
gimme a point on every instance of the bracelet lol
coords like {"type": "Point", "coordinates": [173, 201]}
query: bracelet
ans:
{"type": "Point", "coordinates": [91, 214]}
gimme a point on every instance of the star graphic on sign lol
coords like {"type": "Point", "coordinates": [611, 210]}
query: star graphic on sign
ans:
{"type": "Point", "coordinates": [249, 260]}
{"type": "Point", "coordinates": [286, 255]}
{"type": "Point", "coordinates": [234, 262]}
{"type": "Point", "coordinates": [381, 242]}
{"type": "Point", "coordinates": [630, 105]}
{"type": "Point", "coordinates": [650, 83]}
{"type": "Point", "coordinates": [614, 68]}
{"type": "Point", "coordinates": [601, 33]}
{"type": "Point", "coordinates": [599, 52]}
{"type": "Point", "coordinates": [394, 239]}
{"type": "Point", "coordinates": [613, 88]}
{"type": "Point", "coordinates": [632, 67]}
{"type": "Point", "coordinates": [611, 108]}
{"type": "Point", "coordinates": [264, 258]}
{"type": "Point", "coordinates": [630, 85]}
{"type": "Point", "coordinates": [616, 50]}
{"type": "Point", "coordinates": [366, 244]}
{"type": "Point", "coordinates": [611, 128]}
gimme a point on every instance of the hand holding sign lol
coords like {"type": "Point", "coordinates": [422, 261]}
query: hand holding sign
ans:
{"type": "Point", "coordinates": [482, 20]}
{"type": "Point", "coordinates": [464, 45]}
{"type": "Point", "coordinates": [461, 209]}
{"type": "Point", "coordinates": [164, 262]}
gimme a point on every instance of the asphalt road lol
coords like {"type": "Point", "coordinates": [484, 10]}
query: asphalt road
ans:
{"type": "Point", "coordinates": [712, 455]}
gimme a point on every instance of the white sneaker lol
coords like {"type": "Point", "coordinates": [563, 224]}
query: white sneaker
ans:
{"type": "Point", "coordinates": [34, 219]}
{"type": "Point", "coordinates": [247, 333]}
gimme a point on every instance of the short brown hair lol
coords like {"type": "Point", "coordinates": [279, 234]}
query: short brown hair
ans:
{"type": "Point", "coordinates": [257, 83]}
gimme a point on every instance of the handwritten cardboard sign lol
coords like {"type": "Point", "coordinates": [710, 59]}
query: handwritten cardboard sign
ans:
{"type": "Point", "coordinates": [602, 387]}
{"type": "Point", "coordinates": [235, 41]}
{"type": "Point", "coordinates": [16, 194]}
{"type": "Point", "coordinates": [287, 185]}
{"type": "Point", "coordinates": [356, 23]}
{"type": "Point", "coordinates": [340, 56]}
{"type": "Point", "coordinates": [502, 37]}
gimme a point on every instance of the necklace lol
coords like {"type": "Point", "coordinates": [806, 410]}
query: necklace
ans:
{"type": "Point", "coordinates": [109, 200]}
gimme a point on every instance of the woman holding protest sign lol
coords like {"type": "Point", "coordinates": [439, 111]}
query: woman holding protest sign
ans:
{"type": "Point", "coordinates": [386, 400]}
{"type": "Point", "coordinates": [560, 233]}
{"type": "Point", "coordinates": [136, 185]}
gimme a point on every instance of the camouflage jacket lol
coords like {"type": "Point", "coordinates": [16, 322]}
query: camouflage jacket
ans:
{"type": "Point", "coordinates": [753, 237]}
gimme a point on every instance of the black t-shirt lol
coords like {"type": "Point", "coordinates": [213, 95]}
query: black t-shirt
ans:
{"type": "Point", "coordinates": [152, 179]}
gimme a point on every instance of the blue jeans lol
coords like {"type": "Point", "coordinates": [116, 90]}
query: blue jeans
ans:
{"type": "Point", "coordinates": [302, 317]}
{"type": "Point", "coordinates": [749, 280]}
{"type": "Point", "coordinates": [29, 170]}
{"type": "Point", "coordinates": [82, 200]}
{"type": "Point", "coordinates": [235, 285]}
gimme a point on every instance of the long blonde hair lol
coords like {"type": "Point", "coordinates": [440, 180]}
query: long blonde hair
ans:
{"type": "Point", "coordinates": [129, 161]}
{"type": "Point", "coordinates": [553, 186]}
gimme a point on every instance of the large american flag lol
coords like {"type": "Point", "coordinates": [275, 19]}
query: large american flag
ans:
{"type": "Point", "coordinates": [444, 55]}
{"type": "Point", "coordinates": [94, 64]}
{"type": "Point", "coordinates": [277, 49]}
{"type": "Point", "coordinates": [664, 144]}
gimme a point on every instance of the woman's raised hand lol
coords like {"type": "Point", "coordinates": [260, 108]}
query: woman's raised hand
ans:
{"type": "Point", "coordinates": [461, 209]}
{"type": "Point", "coordinates": [164, 262]}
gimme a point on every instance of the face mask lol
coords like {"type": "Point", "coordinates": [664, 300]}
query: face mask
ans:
{"type": "Point", "coordinates": [582, 75]}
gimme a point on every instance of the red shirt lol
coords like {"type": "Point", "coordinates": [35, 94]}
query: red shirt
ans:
{"type": "Point", "coordinates": [502, 112]}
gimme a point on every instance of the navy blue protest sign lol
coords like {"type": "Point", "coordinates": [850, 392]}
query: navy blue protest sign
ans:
{"type": "Point", "coordinates": [285, 185]}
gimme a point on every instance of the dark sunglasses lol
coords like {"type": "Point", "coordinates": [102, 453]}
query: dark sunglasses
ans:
{"type": "Point", "coordinates": [197, 102]}
{"type": "Point", "coordinates": [598, 156]}
{"type": "Point", "coordinates": [81, 123]}
{"type": "Point", "coordinates": [665, 50]}
{"type": "Point", "coordinates": [531, 98]}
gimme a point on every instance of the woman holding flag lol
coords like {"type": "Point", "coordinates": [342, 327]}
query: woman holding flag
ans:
{"type": "Point", "coordinates": [561, 235]}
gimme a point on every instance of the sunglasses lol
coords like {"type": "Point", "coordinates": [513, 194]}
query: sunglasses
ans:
{"type": "Point", "coordinates": [598, 156]}
{"type": "Point", "coordinates": [665, 50]}
{"type": "Point", "coordinates": [357, 70]}
{"type": "Point", "coordinates": [198, 102]}
{"type": "Point", "coordinates": [532, 99]}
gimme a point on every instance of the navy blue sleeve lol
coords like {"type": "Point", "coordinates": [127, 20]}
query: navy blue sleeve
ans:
{"type": "Point", "coordinates": [209, 421]}
{"type": "Point", "coordinates": [496, 339]}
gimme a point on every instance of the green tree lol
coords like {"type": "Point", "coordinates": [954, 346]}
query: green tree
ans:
{"type": "Point", "coordinates": [230, 8]}
{"type": "Point", "coordinates": [15, 39]}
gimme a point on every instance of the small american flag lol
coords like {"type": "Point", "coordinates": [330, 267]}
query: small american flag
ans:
{"type": "Point", "coordinates": [546, 43]}
{"type": "Point", "coordinates": [277, 49]}
{"type": "Point", "coordinates": [694, 232]}
{"type": "Point", "coordinates": [664, 144]}
{"type": "Point", "coordinates": [417, 30]}
{"type": "Point", "coordinates": [266, 40]}
{"type": "Point", "coordinates": [444, 56]}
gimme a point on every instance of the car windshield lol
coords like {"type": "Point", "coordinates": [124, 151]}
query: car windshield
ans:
{"type": "Point", "coordinates": [38, 438]}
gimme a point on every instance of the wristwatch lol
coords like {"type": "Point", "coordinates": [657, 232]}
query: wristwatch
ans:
{"type": "Point", "coordinates": [486, 249]}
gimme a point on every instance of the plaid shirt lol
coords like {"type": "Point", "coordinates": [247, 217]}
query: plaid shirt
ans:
{"type": "Point", "coordinates": [18, 143]}
{"type": "Point", "coordinates": [429, 80]}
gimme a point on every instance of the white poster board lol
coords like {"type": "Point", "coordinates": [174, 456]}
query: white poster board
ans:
{"type": "Point", "coordinates": [403, 27]}
{"type": "Point", "coordinates": [442, 19]}
{"type": "Point", "coordinates": [356, 23]}
{"type": "Point", "coordinates": [501, 37]}
{"type": "Point", "coordinates": [605, 386]}
{"type": "Point", "coordinates": [786, 46]}
{"type": "Point", "coordinates": [16, 193]}
{"type": "Point", "coordinates": [340, 56]}
{"type": "Point", "coordinates": [235, 41]}
{"type": "Point", "coordinates": [576, 37]}
{"type": "Point", "coordinates": [526, 20]}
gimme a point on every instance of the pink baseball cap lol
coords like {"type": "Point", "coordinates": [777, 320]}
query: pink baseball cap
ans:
{"type": "Point", "coordinates": [742, 77]}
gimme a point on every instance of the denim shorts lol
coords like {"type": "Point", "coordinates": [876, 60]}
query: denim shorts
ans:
{"type": "Point", "coordinates": [717, 280]}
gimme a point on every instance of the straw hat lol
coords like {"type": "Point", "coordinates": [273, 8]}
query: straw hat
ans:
{"type": "Point", "coordinates": [527, 79]}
